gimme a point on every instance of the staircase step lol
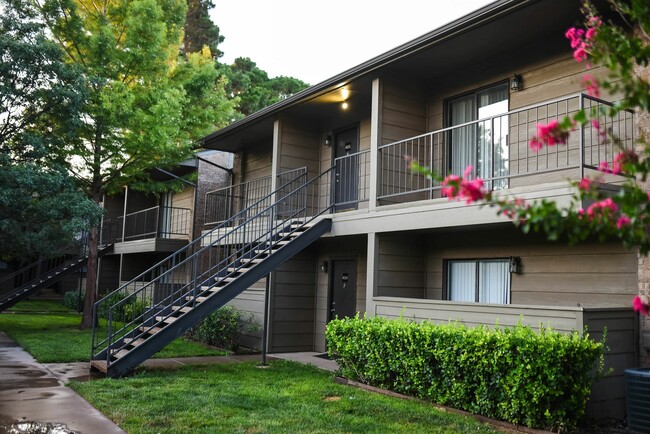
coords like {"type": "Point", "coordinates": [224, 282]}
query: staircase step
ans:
{"type": "Point", "coordinates": [234, 269]}
{"type": "Point", "coordinates": [166, 319]}
{"type": "Point", "coordinates": [119, 354]}
{"type": "Point", "coordinates": [183, 309]}
{"type": "Point", "coordinates": [251, 260]}
{"type": "Point", "coordinates": [150, 330]}
{"type": "Point", "coordinates": [99, 365]}
{"type": "Point", "coordinates": [197, 299]}
{"type": "Point", "coordinates": [134, 342]}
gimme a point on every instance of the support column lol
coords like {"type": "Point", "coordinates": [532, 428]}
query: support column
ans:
{"type": "Point", "coordinates": [371, 270]}
{"type": "Point", "coordinates": [375, 128]}
{"type": "Point", "coordinates": [275, 156]}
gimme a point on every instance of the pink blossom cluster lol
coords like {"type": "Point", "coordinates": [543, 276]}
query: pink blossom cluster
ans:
{"type": "Point", "coordinates": [590, 82]}
{"type": "Point", "coordinates": [454, 186]}
{"type": "Point", "coordinates": [516, 207]}
{"type": "Point", "coordinates": [581, 40]}
{"type": "Point", "coordinates": [620, 160]}
{"type": "Point", "coordinates": [550, 134]}
{"type": "Point", "coordinates": [641, 305]}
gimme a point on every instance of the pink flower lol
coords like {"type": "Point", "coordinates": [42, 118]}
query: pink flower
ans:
{"type": "Point", "coordinates": [641, 306]}
{"type": "Point", "coordinates": [453, 186]}
{"type": "Point", "coordinates": [649, 196]}
{"type": "Point", "coordinates": [549, 134]}
{"type": "Point", "coordinates": [580, 54]}
{"type": "Point", "coordinates": [596, 124]}
{"type": "Point", "coordinates": [606, 207]}
{"type": "Point", "coordinates": [584, 184]}
{"type": "Point", "coordinates": [591, 84]}
{"type": "Point", "coordinates": [623, 221]}
{"type": "Point", "coordinates": [591, 33]}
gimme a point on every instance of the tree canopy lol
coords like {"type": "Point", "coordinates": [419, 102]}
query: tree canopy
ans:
{"type": "Point", "coordinates": [41, 209]}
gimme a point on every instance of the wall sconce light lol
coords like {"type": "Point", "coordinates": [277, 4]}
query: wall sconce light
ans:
{"type": "Point", "coordinates": [323, 267]}
{"type": "Point", "coordinates": [328, 141]}
{"type": "Point", "coordinates": [516, 83]}
{"type": "Point", "coordinates": [515, 264]}
{"type": "Point", "coordinates": [345, 105]}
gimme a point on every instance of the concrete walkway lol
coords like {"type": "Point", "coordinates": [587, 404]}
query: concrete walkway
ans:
{"type": "Point", "coordinates": [32, 396]}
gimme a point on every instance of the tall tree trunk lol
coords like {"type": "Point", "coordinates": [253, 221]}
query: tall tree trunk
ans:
{"type": "Point", "coordinates": [91, 279]}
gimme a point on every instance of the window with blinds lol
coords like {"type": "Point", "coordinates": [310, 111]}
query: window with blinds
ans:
{"type": "Point", "coordinates": [479, 280]}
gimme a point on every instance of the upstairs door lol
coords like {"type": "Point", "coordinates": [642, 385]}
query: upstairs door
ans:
{"type": "Point", "coordinates": [346, 174]}
{"type": "Point", "coordinates": [483, 144]}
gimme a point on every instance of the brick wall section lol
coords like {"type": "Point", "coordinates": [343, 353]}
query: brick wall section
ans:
{"type": "Point", "coordinates": [209, 178]}
{"type": "Point", "coordinates": [642, 120]}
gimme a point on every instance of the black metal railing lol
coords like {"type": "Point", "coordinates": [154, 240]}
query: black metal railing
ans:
{"type": "Point", "coordinates": [222, 204]}
{"type": "Point", "coordinates": [175, 282]}
{"type": "Point", "coordinates": [498, 149]}
{"type": "Point", "coordinates": [154, 222]}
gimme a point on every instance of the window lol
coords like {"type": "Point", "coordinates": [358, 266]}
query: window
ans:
{"type": "Point", "coordinates": [481, 144]}
{"type": "Point", "coordinates": [480, 280]}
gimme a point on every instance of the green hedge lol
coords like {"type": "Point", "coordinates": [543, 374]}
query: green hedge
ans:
{"type": "Point", "coordinates": [538, 379]}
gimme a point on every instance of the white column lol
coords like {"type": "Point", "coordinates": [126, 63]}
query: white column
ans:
{"type": "Point", "coordinates": [371, 276]}
{"type": "Point", "coordinates": [375, 124]}
{"type": "Point", "coordinates": [275, 162]}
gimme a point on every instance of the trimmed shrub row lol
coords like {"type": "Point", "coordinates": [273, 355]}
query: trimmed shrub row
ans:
{"type": "Point", "coordinates": [538, 379]}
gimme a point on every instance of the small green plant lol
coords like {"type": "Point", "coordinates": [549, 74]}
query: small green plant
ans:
{"type": "Point", "coordinates": [538, 379]}
{"type": "Point", "coordinates": [73, 300]}
{"type": "Point", "coordinates": [220, 329]}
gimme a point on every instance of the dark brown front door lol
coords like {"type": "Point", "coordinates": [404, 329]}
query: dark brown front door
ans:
{"type": "Point", "coordinates": [343, 295]}
{"type": "Point", "coordinates": [346, 175]}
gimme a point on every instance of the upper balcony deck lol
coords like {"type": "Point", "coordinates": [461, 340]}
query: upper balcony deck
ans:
{"type": "Point", "coordinates": [497, 147]}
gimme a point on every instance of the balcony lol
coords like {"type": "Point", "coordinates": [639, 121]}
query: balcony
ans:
{"type": "Point", "coordinates": [498, 149]}
{"type": "Point", "coordinates": [160, 228]}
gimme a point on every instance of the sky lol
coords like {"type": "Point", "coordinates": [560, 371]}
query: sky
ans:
{"type": "Point", "coordinates": [313, 40]}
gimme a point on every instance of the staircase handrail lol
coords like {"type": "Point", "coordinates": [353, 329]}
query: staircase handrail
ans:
{"type": "Point", "coordinates": [196, 241]}
{"type": "Point", "coordinates": [199, 278]}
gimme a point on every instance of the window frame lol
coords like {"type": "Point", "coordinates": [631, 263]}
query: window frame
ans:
{"type": "Point", "coordinates": [447, 277]}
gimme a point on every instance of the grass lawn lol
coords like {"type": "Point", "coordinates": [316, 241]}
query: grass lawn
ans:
{"type": "Point", "coordinates": [50, 332]}
{"type": "Point", "coordinates": [241, 398]}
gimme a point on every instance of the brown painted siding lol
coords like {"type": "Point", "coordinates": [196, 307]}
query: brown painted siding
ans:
{"type": "Point", "coordinates": [250, 303]}
{"type": "Point", "coordinates": [292, 312]}
{"type": "Point", "coordinates": [608, 395]}
{"type": "Point", "coordinates": [256, 162]}
{"type": "Point", "coordinates": [401, 268]}
{"type": "Point", "coordinates": [553, 274]}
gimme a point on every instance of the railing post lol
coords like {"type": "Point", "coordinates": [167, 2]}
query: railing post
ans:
{"type": "Point", "coordinates": [582, 139]}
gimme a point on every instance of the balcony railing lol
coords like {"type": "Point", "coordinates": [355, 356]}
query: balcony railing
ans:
{"type": "Point", "coordinates": [155, 222]}
{"type": "Point", "coordinates": [222, 204]}
{"type": "Point", "coordinates": [498, 149]}
{"type": "Point", "coordinates": [351, 180]}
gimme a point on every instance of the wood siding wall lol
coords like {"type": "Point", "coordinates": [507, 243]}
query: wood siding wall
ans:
{"type": "Point", "coordinates": [401, 267]}
{"type": "Point", "coordinates": [256, 162]}
{"type": "Point", "coordinates": [299, 147]}
{"type": "Point", "coordinates": [293, 299]}
{"type": "Point", "coordinates": [608, 395]}
{"type": "Point", "coordinates": [250, 303]}
{"type": "Point", "coordinates": [553, 274]}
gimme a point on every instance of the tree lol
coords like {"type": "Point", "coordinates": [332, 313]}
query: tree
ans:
{"type": "Point", "coordinates": [41, 209]}
{"type": "Point", "coordinates": [254, 87]}
{"type": "Point", "coordinates": [623, 47]}
{"type": "Point", "coordinates": [145, 104]}
{"type": "Point", "coordinates": [200, 31]}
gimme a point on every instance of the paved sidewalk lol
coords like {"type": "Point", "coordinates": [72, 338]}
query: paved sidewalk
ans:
{"type": "Point", "coordinates": [31, 393]}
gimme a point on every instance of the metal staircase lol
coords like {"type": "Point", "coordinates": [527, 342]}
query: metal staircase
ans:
{"type": "Point", "coordinates": [141, 317]}
{"type": "Point", "coordinates": [47, 271]}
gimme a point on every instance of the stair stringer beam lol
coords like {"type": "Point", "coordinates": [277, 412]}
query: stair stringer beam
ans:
{"type": "Point", "coordinates": [25, 291]}
{"type": "Point", "coordinates": [169, 332]}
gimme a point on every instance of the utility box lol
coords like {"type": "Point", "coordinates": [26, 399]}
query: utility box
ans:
{"type": "Point", "coordinates": [637, 395]}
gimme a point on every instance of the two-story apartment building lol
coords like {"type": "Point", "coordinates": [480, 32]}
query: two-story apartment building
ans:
{"type": "Point", "coordinates": [469, 93]}
{"type": "Point", "coordinates": [324, 216]}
